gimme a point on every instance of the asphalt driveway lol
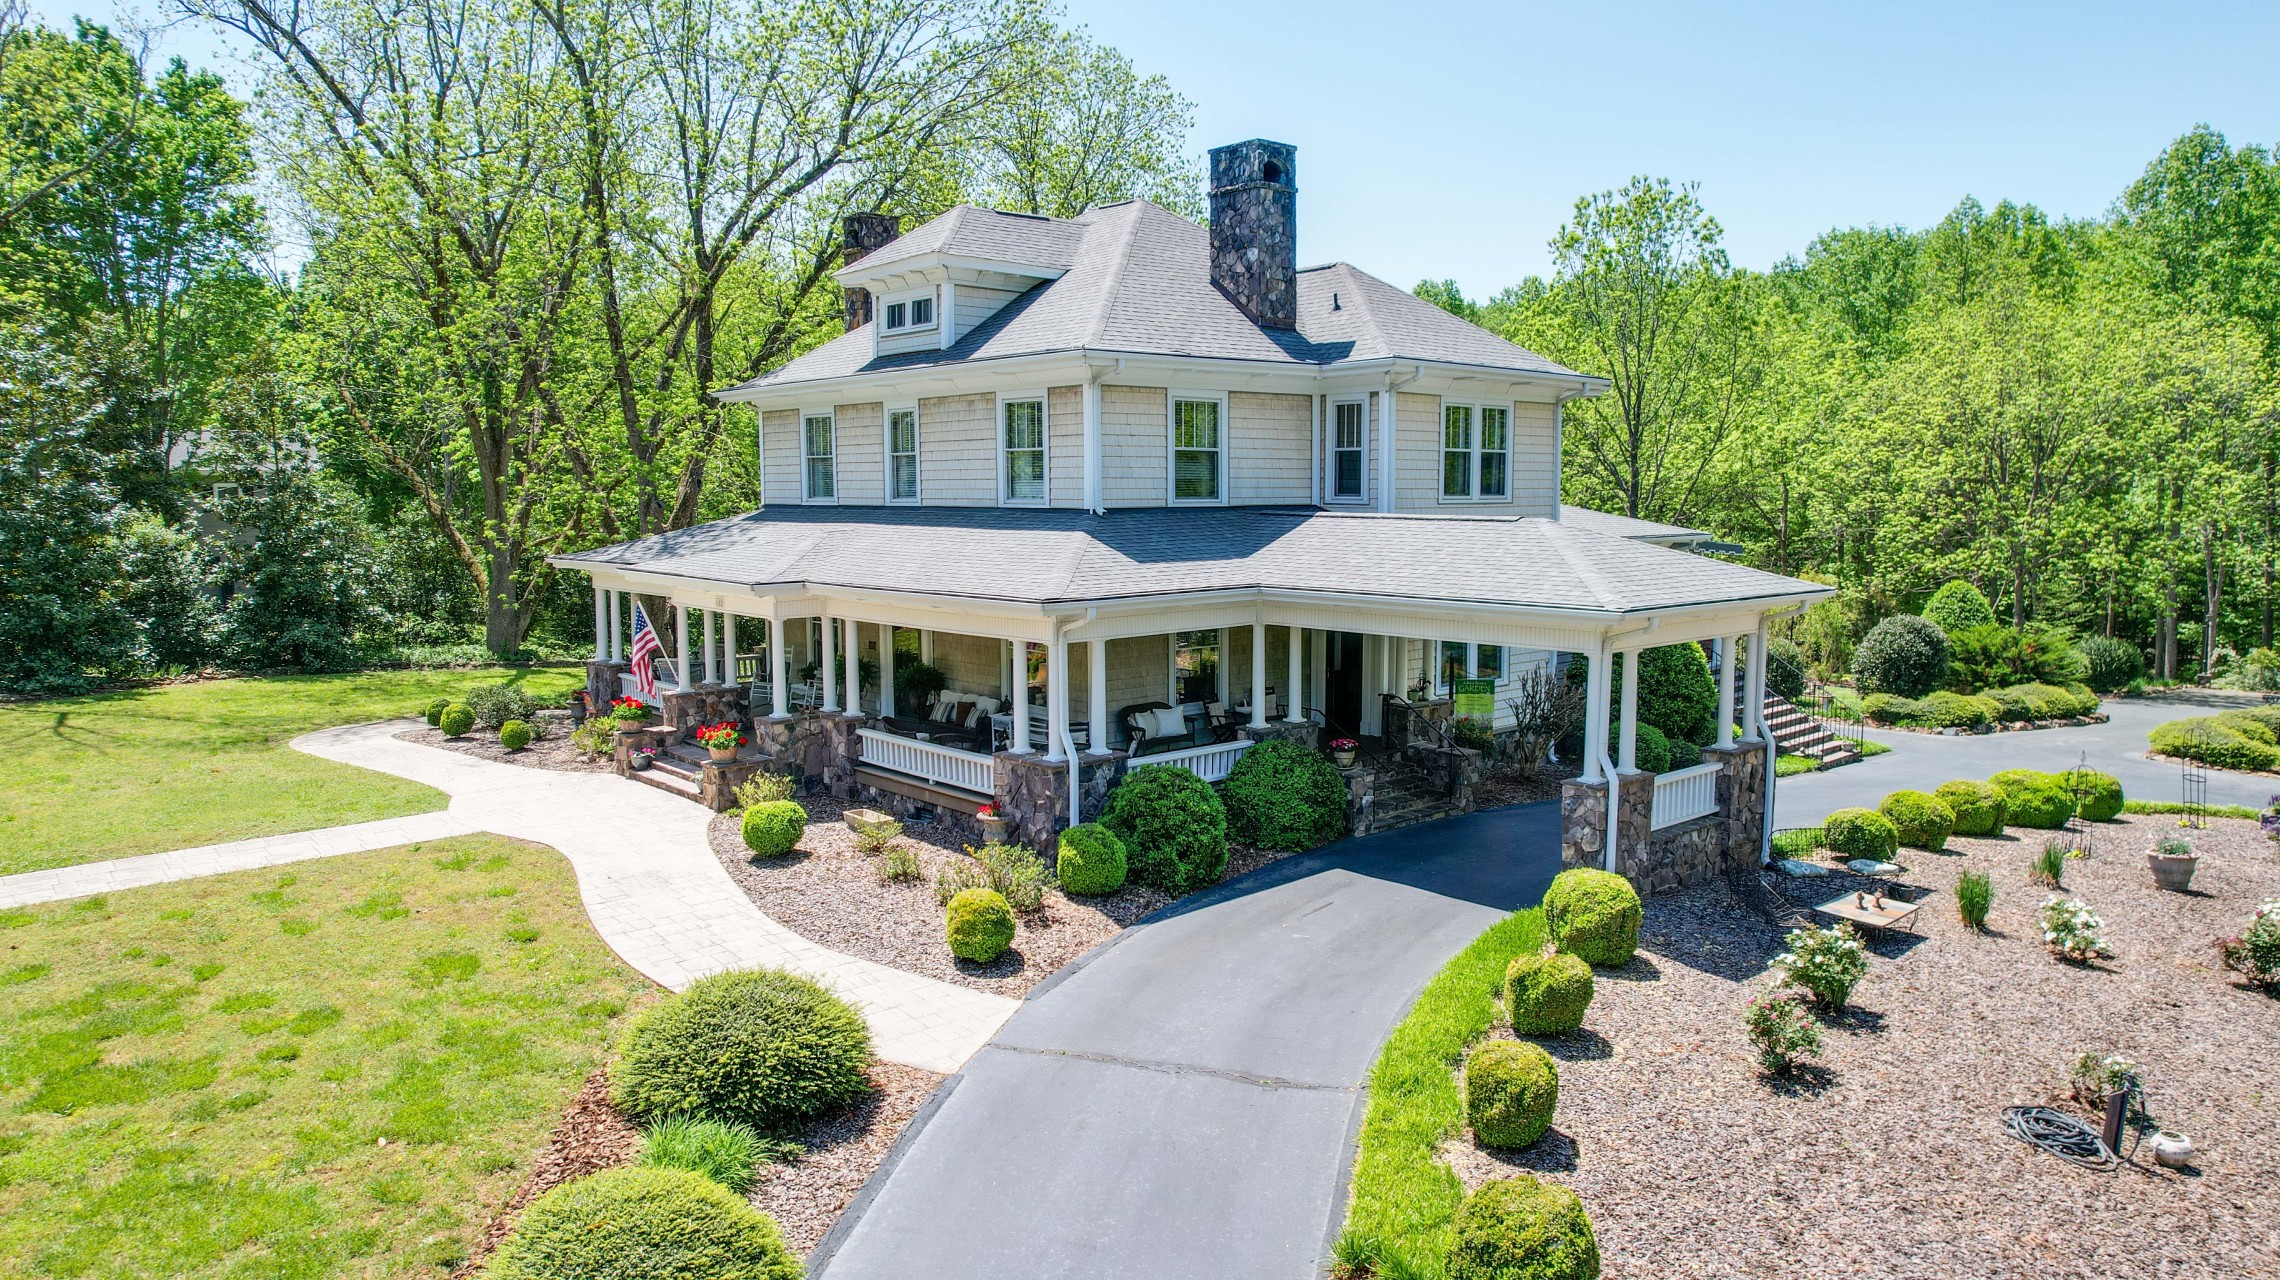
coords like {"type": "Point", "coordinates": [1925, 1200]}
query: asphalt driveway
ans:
{"type": "Point", "coordinates": [1182, 1103]}
{"type": "Point", "coordinates": [1923, 761]}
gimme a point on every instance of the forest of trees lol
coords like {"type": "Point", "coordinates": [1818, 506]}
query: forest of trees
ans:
{"type": "Point", "coordinates": [526, 237]}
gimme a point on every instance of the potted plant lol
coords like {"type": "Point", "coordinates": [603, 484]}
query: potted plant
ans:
{"type": "Point", "coordinates": [994, 824]}
{"type": "Point", "coordinates": [629, 712]}
{"type": "Point", "coordinates": [1342, 751]}
{"type": "Point", "coordinates": [2173, 861]}
{"type": "Point", "coordinates": [642, 758]}
{"type": "Point", "coordinates": [722, 740]}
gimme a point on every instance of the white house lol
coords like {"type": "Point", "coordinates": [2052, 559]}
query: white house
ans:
{"type": "Point", "coordinates": [1142, 488]}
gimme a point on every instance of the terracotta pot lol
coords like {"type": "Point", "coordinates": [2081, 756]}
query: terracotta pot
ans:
{"type": "Point", "coordinates": [2172, 871]}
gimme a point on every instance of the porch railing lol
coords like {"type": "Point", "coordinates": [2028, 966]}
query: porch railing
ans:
{"type": "Point", "coordinates": [1209, 763]}
{"type": "Point", "coordinates": [968, 771]}
{"type": "Point", "coordinates": [1685, 794]}
{"type": "Point", "coordinates": [628, 687]}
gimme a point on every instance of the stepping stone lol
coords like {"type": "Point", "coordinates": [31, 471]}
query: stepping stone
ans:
{"type": "Point", "coordinates": [1871, 867]}
{"type": "Point", "coordinates": [1795, 867]}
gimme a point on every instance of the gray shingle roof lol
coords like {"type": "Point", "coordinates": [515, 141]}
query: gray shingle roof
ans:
{"type": "Point", "coordinates": [1070, 557]}
{"type": "Point", "coordinates": [1627, 526]}
{"type": "Point", "coordinates": [1138, 282]}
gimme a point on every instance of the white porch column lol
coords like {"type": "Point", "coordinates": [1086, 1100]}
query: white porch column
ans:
{"type": "Point", "coordinates": [1258, 675]}
{"type": "Point", "coordinates": [1726, 650]}
{"type": "Point", "coordinates": [1096, 691]}
{"type": "Point", "coordinates": [680, 647]}
{"type": "Point", "coordinates": [779, 674]}
{"type": "Point", "coordinates": [617, 628]}
{"type": "Point", "coordinates": [1057, 699]}
{"type": "Point", "coordinates": [852, 645]}
{"type": "Point", "coordinates": [1753, 706]}
{"type": "Point", "coordinates": [1018, 693]}
{"type": "Point", "coordinates": [1595, 712]}
{"type": "Point", "coordinates": [1293, 713]}
{"type": "Point", "coordinates": [1628, 762]}
{"type": "Point", "coordinates": [827, 663]}
{"type": "Point", "coordinates": [728, 645]}
{"type": "Point", "coordinates": [601, 625]}
{"type": "Point", "coordinates": [712, 646]}
{"type": "Point", "coordinates": [886, 669]}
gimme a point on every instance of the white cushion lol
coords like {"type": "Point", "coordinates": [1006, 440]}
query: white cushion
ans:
{"type": "Point", "coordinates": [989, 706]}
{"type": "Point", "coordinates": [1166, 722]}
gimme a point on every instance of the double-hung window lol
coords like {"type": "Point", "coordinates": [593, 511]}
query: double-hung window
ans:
{"type": "Point", "coordinates": [1199, 450]}
{"type": "Point", "coordinates": [914, 311]}
{"type": "Point", "coordinates": [1476, 452]}
{"type": "Point", "coordinates": [1349, 466]}
{"type": "Point", "coordinates": [902, 455]}
{"type": "Point", "coordinates": [1495, 451]}
{"type": "Point", "coordinates": [1021, 436]}
{"type": "Point", "coordinates": [1457, 451]}
{"type": "Point", "coordinates": [818, 452]}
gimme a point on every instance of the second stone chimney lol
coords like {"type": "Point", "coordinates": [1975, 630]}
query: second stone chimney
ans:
{"type": "Point", "coordinates": [1254, 229]}
{"type": "Point", "coordinates": [859, 234]}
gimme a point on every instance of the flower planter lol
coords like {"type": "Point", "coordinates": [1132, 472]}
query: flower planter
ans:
{"type": "Point", "coordinates": [1343, 759]}
{"type": "Point", "coordinates": [2172, 1150]}
{"type": "Point", "coordinates": [640, 760]}
{"type": "Point", "coordinates": [723, 755]}
{"type": "Point", "coordinates": [993, 829]}
{"type": "Point", "coordinates": [2172, 871]}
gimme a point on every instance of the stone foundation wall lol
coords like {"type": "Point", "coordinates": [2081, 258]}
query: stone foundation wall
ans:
{"type": "Point", "coordinates": [1741, 800]}
{"type": "Point", "coordinates": [1583, 823]}
{"type": "Point", "coordinates": [1361, 799]}
{"type": "Point", "coordinates": [1305, 733]}
{"type": "Point", "coordinates": [1691, 853]}
{"type": "Point", "coordinates": [1680, 857]}
{"type": "Point", "coordinates": [1455, 770]}
{"type": "Point", "coordinates": [705, 704]}
{"type": "Point", "coordinates": [720, 781]}
{"type": "Point", "coordinates": [602, 685]}
{"type": "Point", "coordinates": [632, 740]}
{"type": "Point", "coordinates": [1033, 798]}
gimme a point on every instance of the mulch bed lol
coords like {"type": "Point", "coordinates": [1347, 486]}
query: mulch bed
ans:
{"type": "Point", "coordinates": [1889, 1161]}
{"type": "Point", "coordinates": [828, 891]}
{"type": "Point", "coordinates": [592, 1137]}
{"type": "Point", "coordinates": [807, 1195]}
{"type": "Point", "coordinates": [552, 751]}
{"type": "Point", "coordinates": [1510, 786]}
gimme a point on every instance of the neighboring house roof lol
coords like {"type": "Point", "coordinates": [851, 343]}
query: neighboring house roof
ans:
{"type": "Point", "coordinates": [1137, 281]}
{"type": "Point", "coordinates": [1053, 557]}
{"type": "Point", "coordinates": [1629, 526]}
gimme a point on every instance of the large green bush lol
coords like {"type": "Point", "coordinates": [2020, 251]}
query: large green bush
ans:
{"type": "Point", "coordinates": [1284, 796]}
{"type": "Point", "coordinates": [1652, 754]}
{"type": "Point", "coordinates": [456, 720]}
{"type": "Point", "coordinates": [1091, 860]}
{"type": "Point", "coordinates": [2032, 799]}
{"type": "Point", "coordinates": [1891, 708]}
{"type": "Point", "coordinates": [1946, 710]}
{"type": "Point", "coordinates": [1860, 833]}
{"type": "Point", "coordinates": [1919, 821]}
{"type": "Point", "coordinates": [1994, 656]}
{"type": "Point", "coordinates": [1902, 654]}
{"type": "Point", "coordinates": [1511, 1089]}
{"type": "Point", "coordinates": [1680, 754]}
{"type": "Point", "coordinates": [763, 1047]}
{"type": "Point", "coordinates": [1519, 1228]}
{"type": "Point", "coordinates": [1546, 994]}
{"type": "Point", "coordinates": [1173, 827]}
{"type": "Point", "coordinates": [1594, 915]}
{"type": "Point", "coordinates": [772, 827]}
{"type": "Point", "coordinates": [1676, 692]}
{"type": "Point", "coordinates": [1958, 606]}
{"type": "Point", "coordinates": [1784, 670]}
{"type": "Point", "coordinates": [2100, 794]}
{"type": "Point", "coordinates": [2110, 665]}
{"type": "Point", "coordinates": [495, 704]}
{"type": "Point", "coordinates": [1978, 806]}
{"type": "Point", "coordinates": [643, 1224]}
{"type": "Point", "coordinates": [979, 925]}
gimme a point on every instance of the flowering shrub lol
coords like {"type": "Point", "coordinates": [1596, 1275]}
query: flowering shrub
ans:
{"type": "Point", "coordinates": [630, 710]}
{"type": "Point", "coordinates": [1354, 744]}
{"type": "Point", "coordinates": [2095, 1076]}
{"type": "Point", "coordinates": [2255, 954]}
{"type": "Point", "coordinates": [2070, 928]}
{"type": "Point", "coordinates": [2271, 819]}
{"type": "Point", "coordinates": [717, 736]}
{"type": "Point", "coordinates": [986, 811]}
{"type": "Point", "coordinates": [1827, 963]}
{"type": "Point", "coordinates": [1782, 1033]}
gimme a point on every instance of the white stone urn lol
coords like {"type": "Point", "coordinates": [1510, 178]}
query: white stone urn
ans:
{"type": "Point", "coordinates": [2172, 862]}
{"type": "Point", "coordinates": [2172, 1150]}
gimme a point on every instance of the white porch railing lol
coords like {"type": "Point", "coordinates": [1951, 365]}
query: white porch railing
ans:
{"type": "Point", "coordinates": [1685, 795]}
{"type": "Point", "coordinates": [628, 687]}
{"type": "Point", "coordinates": [969, 771]}
{"type": "Point", "coordinates": [1209, 763]}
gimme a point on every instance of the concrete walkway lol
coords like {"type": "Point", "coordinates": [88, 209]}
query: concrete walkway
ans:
{"type": "Point", "coordinates": [1183, 1104]}
{"type": "Point", "coordinates": [88, 878]}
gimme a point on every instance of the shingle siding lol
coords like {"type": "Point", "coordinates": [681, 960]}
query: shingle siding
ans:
{"type": "Point", "coordinates": [780, 456]}
{"type": "Point", "coordinates": [972, 664]}
{"type": "Point", "coordinates": [957, 451]}
{"type": "Point", "coordinates": [1065, 446]}
{"type": "Point", "coordinates": [1269, 447]}
{"type": "Point", "coordinates": [860, 449]}
{"type": "Point", "coordinates": [1134, 446]}
{"type": "Point", "coordinates": [1139, 670]}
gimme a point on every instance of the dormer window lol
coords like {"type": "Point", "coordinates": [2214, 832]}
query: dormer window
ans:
{"type": "Point", "coordinates": [909, 312]}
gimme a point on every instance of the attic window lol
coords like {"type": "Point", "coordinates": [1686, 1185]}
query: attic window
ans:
{"type": "Point", "coordinates": [908, 312]}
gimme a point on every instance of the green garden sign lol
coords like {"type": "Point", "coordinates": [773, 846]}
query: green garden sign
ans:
{"type": "Point", "coordinates": [1475, 699]}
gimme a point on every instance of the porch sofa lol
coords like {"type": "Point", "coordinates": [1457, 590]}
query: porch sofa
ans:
{"type": "Point", "coordinates": [955, 718]}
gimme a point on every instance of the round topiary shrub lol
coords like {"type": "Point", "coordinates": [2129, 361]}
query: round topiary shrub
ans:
{"type": "Point", "coordinates": [1860, 833]}
{"type": "Point", "coordinates": [434, 711]}
{"type": "Point", "coordinates": [1919, 821]}
{"type": "Point", "coordinates": [1958, 606]}
{"type": "Point", "coordinates": [1593, 915]}
{"type": "Point", "coordinates": [1902, 654]}
{"type": "Point", "coordinates": [1676, 692]}
{"type": "Point", "coordinates": [1652, 753]}
{"type": "Point", "coordinates": [1284, 796]}
{"type": "Point", "coordinates": [979, 924]}
{"type": "Point", "coordinates": [1519, 1228]}
{"type": "Point", "coordinates": [514, 735]}
{"type": "Point", "coordinates": [1511, 1088]}
{"type": "Point", "coordinates": [772, 827]}
{"type": "Point", "coordinates": [1681, 755]}
{"type": "Point", "coordinates": [1173, 826]}
{"type": "Point", "coordinates": [2010, 778]}
{"type": "Point", "coordinates": [1546, 995]}
{"type": "Point", "coordinates": [1784, 669]}
{"type": "Point", "coordinates": [455, 721]}
{"type": "Point", "coordinates": [1091, 860]}
{"type": "Point", "coordinates": [1957, 710]}
{"type": "Point", "coordinates": [643, 1224]}
{"type": "Point", "coordinates": [2035, 804]}
{"type": "Point", "coordinates": [2109, 665]}
{"type": "Point", "coordinates": [1977, 806]}
{"type": "Point", "coordinates": [761, 1046]}
{"type": "Point", "coordinates": [2100, 793]}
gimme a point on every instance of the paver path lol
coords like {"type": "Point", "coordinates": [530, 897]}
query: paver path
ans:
{"type": "Point", "coordinates": [1183, 1103]}
{"type": "Point", "coordinates": [59, 883]}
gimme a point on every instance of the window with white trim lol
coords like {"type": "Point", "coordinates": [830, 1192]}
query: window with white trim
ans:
{"type": "Point", "coordinates": [1457, 451]}
{"type": "Point", "coordinates": [908, 312]}
{"type": "Point", "coordinates": [902, 455]}
{"type": "Point", "coordinates": [1021, 438]}
{"type": "Point", "coordinates": [1349, 464]}
{"type": "Point", "coordinates": [1488, 661]}
{"type": "Point", "coordinates": [1495, 451]}
{"type": "Point", "coordinates": [818, 444]}
{"type": "Point", "coordinates": [1198, 449]}
{"type": "Point", "coordinates": [1476, 452]}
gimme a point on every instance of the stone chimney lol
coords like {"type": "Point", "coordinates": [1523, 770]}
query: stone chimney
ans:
{"type": "Point", "coordinates": [860, 234]}
{"type": "Point", "coordinates": [1254, 229]}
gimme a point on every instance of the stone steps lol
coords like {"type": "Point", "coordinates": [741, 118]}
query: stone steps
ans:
{"type": "Point", "coordinates": [666, 778]}
{"type": "Point", "coordinates": [1795, 733]}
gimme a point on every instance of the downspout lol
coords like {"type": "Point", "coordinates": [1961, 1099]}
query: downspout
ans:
{"type": "Point", "coordinates": [1606, 655]}
{"type": "Point", "coordinates": [1076, 768]}
{"type": "Point", "coordinates": [1765, 820]}
{"type": "Point", "coordinates": [1388, 418]}
{"type": "Point", "coordinates": [1559, 442]}
{"type": "Point", "coordinates": [1092, 440]}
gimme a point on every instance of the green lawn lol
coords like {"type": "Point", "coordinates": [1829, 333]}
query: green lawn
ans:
{"type": "Point", "coordinates": [340, 1068]}
{"type": "Point", "coordinates": [165, 768]}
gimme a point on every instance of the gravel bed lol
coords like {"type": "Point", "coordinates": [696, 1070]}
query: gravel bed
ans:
{"type": "Point", "coordinates": [807, 1195]}
{"type": "Point", "coordinates": [1890, 1160]}
{"type": "Point", "coordinates": [828, 891]}
{"type": "Point", "coordinates": [553, 751]}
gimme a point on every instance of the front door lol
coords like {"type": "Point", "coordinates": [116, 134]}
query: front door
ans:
{"type": "Point", "coordinates": [1342, 683]}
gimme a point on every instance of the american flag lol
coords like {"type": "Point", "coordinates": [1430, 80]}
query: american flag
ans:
{"type": "Point", "coordinates": [645, 648]}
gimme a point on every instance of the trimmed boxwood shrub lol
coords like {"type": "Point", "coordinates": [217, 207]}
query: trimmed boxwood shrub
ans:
{"type": "Point", "coordinates": [1091, 860]}
{"type": "Point", "coordinates": [1511, 1089]}
{"type": "Point", "coordinates": [1546, 994]}
{"type": "Point", "coordinates": [2034, 804]}
{"type": "Point", "coordinates": [2109, 665]}
{"type": "Point", "coordinates": [1681, 755]}
{"type": "Point", "coordinates": [1173, 826]}
{"type": "Point", "coordinates": [1959, 606]}
{"type": "Point", "coordinates": [643, 1224]}
{"type": "Point", "coordinates": [979, 925]}
{"type": "Point", "coordinates": [1519, 1228]}
{"type": "Point", "coordinates": [2100, 793]}
{"type": "Point", "coordinates": [434, 711]}
{"type": "Point", "coordinates": [763, 1047]}
{"type": "Point", "coordinates": [772, 827]}
{"type": "Point", "coordinates": [1653, 750]}
{"type": "Point", "coordinates": [1919, 821]}
{"type": "Point", "coordinates": [455, 721]}
{"type": "Point", "coordinates": [2010, 778]}
{"type": "Point", "coordinates": [1978, 806]}
{"type": "Point", "coordinates": [1284, 796]}
{"type": "Point", "coordinates": [1947, 710]}
{"type": "Point", "coordinates": [514, 735]}
{"type": "Point", "coordinates": [1860, 833]}
{"type": "Point", "coordinates": [1891, 708]}
{"type": "Point", "coordinates": [1902, 654]}
{"type": "Point", "coordinates": [1676, 692]}
{"type": "Point", "coordinates": [2215, 740]}
{"type": "Point", "coordinates": [1593, 915]}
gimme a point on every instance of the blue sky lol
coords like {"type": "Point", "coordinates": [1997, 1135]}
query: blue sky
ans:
{"type": "Point", "coordinates": [1450, 140]}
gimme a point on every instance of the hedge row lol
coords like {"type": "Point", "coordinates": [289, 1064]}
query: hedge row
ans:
{"type": "Point", "coordinates": [2015, 704]}
{"type": "Point", "coordinates": [2243, 739]}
